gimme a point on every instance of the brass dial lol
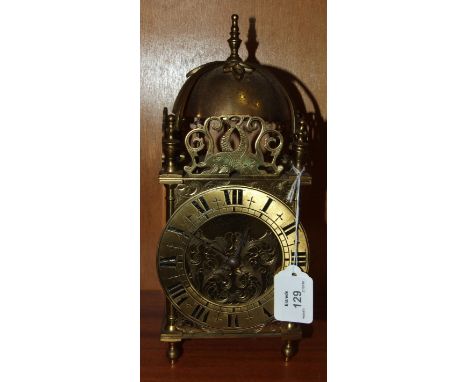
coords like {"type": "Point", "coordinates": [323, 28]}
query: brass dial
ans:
{"type": "Point", "coordinates": [220, 251]}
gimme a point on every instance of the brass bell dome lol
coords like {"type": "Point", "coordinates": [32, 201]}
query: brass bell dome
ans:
{"type": "Point", "coordinates": [234, 119]}
{"type": "Point", "coordinates": [233, 87]}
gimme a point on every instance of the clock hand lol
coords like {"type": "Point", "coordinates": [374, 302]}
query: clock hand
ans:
{"type": "Point", "coordinates": [242, 242]}
{"type": "Point", "coordinates": [210, 245]}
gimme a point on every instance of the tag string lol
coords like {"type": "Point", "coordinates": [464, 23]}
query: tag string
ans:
{"type": "Point", "coordinates": [295, 191]}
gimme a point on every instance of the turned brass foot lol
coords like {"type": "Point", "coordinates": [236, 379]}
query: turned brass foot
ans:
{"type": "Point", "coordinates": [288, 350]}
{"type": "Point", "coordinates": [174, 351]}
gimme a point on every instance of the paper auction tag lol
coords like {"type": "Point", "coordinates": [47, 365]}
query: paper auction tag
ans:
{"type": "Point", "coordinates": [293, 293]}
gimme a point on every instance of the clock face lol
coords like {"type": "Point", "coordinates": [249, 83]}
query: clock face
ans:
{"type": "Point", "coordinates": [220, 251]}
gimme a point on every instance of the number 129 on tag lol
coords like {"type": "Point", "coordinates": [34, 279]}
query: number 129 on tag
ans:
{"type": "Point", "coordinates": [293, 296]}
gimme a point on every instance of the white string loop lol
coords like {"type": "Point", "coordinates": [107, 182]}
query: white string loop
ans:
{"type": "Point", "coordinates": [295, 192]}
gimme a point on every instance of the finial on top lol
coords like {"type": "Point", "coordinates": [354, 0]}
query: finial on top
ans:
{"type": "Point", "coordinates": [234, 41]}
{"type": "Point", "coordinates": [300, 142]}
{"type": "Point", "coordinates": [171, 144]}
{"type": "Point", "coordinates": [234, 63]}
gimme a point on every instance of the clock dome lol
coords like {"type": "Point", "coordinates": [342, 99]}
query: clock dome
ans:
{"type": "Point", "coordinates": [210, 90]}
{"type": "Point", "coordinates": [233, 87]}
{"type": "Point", "coordinates": [234, 118]}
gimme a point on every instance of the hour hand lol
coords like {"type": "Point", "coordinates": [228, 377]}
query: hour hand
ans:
{"type": "Point", "coordinates": [242, 241]}
{"type": "Point", "coordinates": [209, 243]}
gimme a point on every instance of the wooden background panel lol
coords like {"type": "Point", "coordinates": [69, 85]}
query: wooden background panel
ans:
{"type": "Point", "coordinates": [177, 36]}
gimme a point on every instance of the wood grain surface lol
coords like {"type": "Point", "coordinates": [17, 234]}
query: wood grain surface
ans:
{"type": "Point", "coordinates": [178, 35]}
{"type": "Point", "coordinates": [234, 360]}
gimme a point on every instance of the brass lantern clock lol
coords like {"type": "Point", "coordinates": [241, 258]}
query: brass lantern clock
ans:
{"type": "Point", "coordinates": [230, 147]}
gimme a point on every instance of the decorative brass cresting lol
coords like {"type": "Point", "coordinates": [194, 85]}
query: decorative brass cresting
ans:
{"type": "Point", "coordinates": [214, 150]}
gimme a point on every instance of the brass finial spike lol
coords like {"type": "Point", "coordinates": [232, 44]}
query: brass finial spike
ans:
{"type": "Point", "coordinates": [234, 41]}
{"type": "Point", "coordinates": [300, 142]}
{"type": "Point", "coordinates": [170, 144]}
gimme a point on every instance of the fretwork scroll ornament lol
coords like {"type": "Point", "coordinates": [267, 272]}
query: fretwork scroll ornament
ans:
{"type": "Point", "coordinates": [234, 144]}
{"type": "Point", "coordinates": [234, 268]}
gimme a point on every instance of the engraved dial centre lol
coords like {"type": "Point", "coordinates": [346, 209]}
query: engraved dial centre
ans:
{"type": "Point", "coordinates": [232, 259]}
